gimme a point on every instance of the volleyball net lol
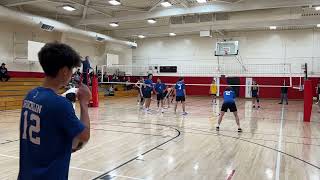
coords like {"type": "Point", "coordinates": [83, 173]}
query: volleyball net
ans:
{"type": "Point", "coordinates": [266, 75]}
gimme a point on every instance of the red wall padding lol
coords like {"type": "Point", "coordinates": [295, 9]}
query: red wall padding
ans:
{"type": "Point", "coordinates": [265, 92]}
{"type": "Point", "coordinates": [19, 74]}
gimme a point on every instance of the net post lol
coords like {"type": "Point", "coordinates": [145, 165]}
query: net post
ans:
{"type": "Point", "coordinates": [307, 100]}
{"type": "Point", "coordinates": [95, 93]}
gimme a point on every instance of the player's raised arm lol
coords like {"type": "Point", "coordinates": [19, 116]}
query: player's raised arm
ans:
{"type": "Point", "coordinates": [84, 96]}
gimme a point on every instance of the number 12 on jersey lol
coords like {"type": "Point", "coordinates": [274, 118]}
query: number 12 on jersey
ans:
{"type": "Point", "coordinates": [32, 127]}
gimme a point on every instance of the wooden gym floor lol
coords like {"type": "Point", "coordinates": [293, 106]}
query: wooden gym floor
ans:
{"type": "Point", "coordinates": [126, 143]}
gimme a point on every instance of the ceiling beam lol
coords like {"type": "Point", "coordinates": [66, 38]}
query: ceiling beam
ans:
{"type": "Point", "coordinates": [155, 5]}
{"type": "Point", "coordinates": [253, 24]}
{"type": "Point", "coordinates": [85, 9]}
{"type": "Point", "coordinates": [184, 4]}
{"type": "Point", "coordinates": [23, 3]}
{"type": "Point", "coordinates": [94, 9]}
{"type": "Point", "coordinates": [220, 32]}
{"type": "Point", "coordinates": [120, 7]}
{"type": "Point", "coordinates": [210, 8]}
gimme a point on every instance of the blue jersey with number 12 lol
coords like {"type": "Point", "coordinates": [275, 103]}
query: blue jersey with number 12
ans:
{"type": "Point", "coordinates": [47, 127]}
{"type": "Point", "coordinates": [180, 87]}
{"type": "Point", "coordinates": [229, 96]}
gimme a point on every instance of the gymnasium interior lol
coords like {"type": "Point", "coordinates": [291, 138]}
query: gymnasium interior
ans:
{"type": "Point", "coordinates": [275, 43]}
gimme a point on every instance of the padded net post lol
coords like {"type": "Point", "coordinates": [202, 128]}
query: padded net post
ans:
{"type": "Point", "coordinates": [95, 94]}
{"type": "Point", "coordinates": [307, 100]}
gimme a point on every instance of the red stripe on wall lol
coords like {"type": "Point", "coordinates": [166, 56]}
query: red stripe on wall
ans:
{"type": "Point", "coordinates": [204, 90]}
{"type": "Point", "coordinates": [20, 74]}
{"type": "Point", "coordinates": [265, 92]}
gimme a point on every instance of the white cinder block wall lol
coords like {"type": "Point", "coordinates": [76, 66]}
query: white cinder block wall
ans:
{"type": "Point", "coordinates": [13, 46]}
{"type": "Point", "coordinates": [256, 47]}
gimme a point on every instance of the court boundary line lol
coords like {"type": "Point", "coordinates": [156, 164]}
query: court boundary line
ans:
{"type": "Point", "coordinates": [81, 169]}
{"type": "Point", "coordinates": [278, 161]}
{"type": "Point", "coordinates": [245, 140]}
{"type": "Point", "coordinates": [231, 174]}
{"type": "Point", "coordinates": [217, 134]}
{"type": "Point", "coordinates": [146, 152]}
{"type": "Point", "coordinates": [258, 144]}
{"type": "Point", "coordinates": [289, 142]}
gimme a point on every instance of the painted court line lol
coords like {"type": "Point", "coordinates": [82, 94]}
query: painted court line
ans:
{"type": "Point", "coordinates": [128, 177]}
{"type": "Point", "coordinates": [88, 170]}
{"type": "Point", "coordinates": [231, 175]}
{"type": "Point", "coordinates": [13, 157]}
{"type": "Point", "coordinates": [81, 169]}
{"type": "Point", "coordinates": [278, 162]}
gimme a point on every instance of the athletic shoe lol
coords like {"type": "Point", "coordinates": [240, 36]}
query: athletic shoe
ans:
{"type": "Point", "coordinates": [162, 110]}
{"type": "Point", "coordinates": [239, 130]}
{"type": "Point", "coordinates": [253, 106]}
{"type": "Point", "coordinates": [280, 103]}
{"type": "Point", "coordinates": [286, 103]}
{"type": "Point", "coordinates": [317, 102]}
{"type": "Point", "coordinates": [184, 113]}
{"type": "Point", "coordinates": [217, 128]}
{"type": "Point", "coordinates": [258, 107]}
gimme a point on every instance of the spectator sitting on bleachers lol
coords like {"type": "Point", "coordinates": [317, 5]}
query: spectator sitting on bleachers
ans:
{"type": "Point", "coordinates": [105, 77]}
{"type": "Point", "coordinates": [4, 73]}
{"type": "Point", "coordinates": [78, 72]}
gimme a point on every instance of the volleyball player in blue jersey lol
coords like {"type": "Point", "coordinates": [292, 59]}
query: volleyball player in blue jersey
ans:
{"type": "Point", "coordinates": [48, 123]}
{"type": "Point", "coordinates": [229, 103]}
{"type": "Point", "coordinates": [180, 92]}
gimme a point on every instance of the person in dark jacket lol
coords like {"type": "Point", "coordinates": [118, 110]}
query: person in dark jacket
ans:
{"type": "Point", "coordinates": [284, 93]}
{"type": "Point", "coordinates": [4, 73]}
{"type": "Point", "coordinates": [85, 69]}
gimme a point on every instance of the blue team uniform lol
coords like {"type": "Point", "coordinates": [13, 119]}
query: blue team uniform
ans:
{"type": "Point", "coordinates": [160, 87]}
{"type": "Point", "coordinates": [148, 89]}
{"type": "Point", "coordinates": [229, 101]}
{"type": "Point", "coordinates": [229, 96]}
{"type": "Point", "coordinates": [180, 87]}
{"type": "Point", "coordinates": [48, 126]}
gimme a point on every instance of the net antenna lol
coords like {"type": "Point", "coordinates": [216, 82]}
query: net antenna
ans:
{"type": "Point", "coordinates": [305, 68]}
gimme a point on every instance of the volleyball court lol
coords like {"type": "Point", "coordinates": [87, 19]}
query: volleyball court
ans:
{"type": "Point", "coordinates": [252, 81]}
